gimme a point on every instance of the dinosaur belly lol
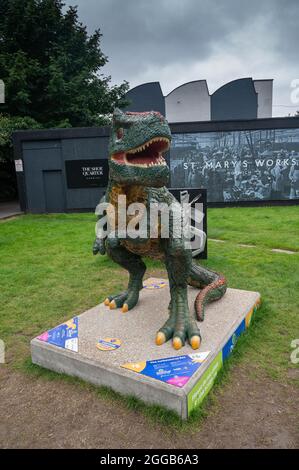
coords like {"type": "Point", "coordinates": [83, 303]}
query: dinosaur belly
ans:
{"type": "Point", "coordinates": [144, 247]}
{"type": "Point", "coordinates": [150, 248]}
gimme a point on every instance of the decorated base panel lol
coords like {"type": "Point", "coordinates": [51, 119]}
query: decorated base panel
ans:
{"type": "Point", "coordinates": [118, 350]}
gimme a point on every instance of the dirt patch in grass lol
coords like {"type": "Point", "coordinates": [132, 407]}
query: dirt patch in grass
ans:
{"type": "Point", "coordinates": [37, 413]}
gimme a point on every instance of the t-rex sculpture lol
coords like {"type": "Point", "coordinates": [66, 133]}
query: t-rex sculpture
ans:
{"type": "Point", "coordinates": [138, 170]}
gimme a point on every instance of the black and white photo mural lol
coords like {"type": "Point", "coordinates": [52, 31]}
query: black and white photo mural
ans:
{"type": "Point", "coordinates": [247, 165]}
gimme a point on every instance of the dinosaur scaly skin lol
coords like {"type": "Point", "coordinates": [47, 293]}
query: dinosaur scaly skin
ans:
{"type": "Point", "coordinates": [138, 171]}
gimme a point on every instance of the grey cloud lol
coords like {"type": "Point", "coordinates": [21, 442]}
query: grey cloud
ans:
{"type": "Point", "coordinates": [140, 35]}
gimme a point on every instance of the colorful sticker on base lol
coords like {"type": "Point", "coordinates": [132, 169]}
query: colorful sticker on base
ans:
{"type": "Point", "coordinates": [64, 336]}
{"type": "Point", "coordinates": [155, 283]}
{"type": "Point", "coordinates": [230, 344]}
{"type": "Point", "coordinates": [175, 370]}
{"type": "Point", "coordinates": [206, 381]}
{"type": "Point", "coordinates": [108, 344]}
{"type": "Point", "coordinates": [252, 312]}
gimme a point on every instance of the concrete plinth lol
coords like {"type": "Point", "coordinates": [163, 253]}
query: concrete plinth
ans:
{"type": "Point", "coordinates": [79, 355]}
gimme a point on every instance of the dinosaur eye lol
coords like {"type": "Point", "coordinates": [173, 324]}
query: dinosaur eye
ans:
{"type": "Point", "coordinates": [120, 133]}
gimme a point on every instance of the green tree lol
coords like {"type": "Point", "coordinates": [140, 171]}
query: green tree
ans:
{"type": "Point", "coordinates": [7, 126]}
{"type": "Point", "coordinates": [8, 183]}
{"type": "Point", "coordinates": [51, 66]}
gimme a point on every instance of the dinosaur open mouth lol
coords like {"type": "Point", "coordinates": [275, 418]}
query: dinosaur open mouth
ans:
{"type": "Point", "coordinates": [146, 155]}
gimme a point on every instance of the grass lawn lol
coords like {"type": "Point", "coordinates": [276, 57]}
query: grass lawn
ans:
{"type": "Point", "coordinates": [269, 227]}
{"type": "Point", "coordinates": [48, 274]}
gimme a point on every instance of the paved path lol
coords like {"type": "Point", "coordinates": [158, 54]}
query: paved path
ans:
{"type": "Point", "coordinates": [9, 209]}
{"type": "Point", "coordinates": [243, 245]}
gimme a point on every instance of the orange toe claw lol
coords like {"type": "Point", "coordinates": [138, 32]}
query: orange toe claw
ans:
{"type": "Point", "coordinates": [107, 301]}
{"type": "Point", "coordinates": [112, 304]}
{"type": "Point", "coordinates": [160, 338]}
{"type": "Point", "coordinates": [195, 342]}
{"type": "Point", "coordinates": [177, 343]}
{"type": "Point", "coordinates": [125, 308]}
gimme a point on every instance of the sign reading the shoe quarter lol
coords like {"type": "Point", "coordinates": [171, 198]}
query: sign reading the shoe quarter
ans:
{"type": "Point", "coordinates": [86, 173]}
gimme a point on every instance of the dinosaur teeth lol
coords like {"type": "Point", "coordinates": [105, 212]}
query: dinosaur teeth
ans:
{"type": "Point", "coordinates": [147, 155]}
{"type": "Point", "coordinates": [148, 143]}
{"type": "Point", "coordinates": [159, 162]}
{"type": "Point", "coordinates": [156, 161]}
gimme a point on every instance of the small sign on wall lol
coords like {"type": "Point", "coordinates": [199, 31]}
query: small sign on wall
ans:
{"type": "Point", "coordinates": [87, 173]}
{"type": "Point", "coordinates": [2, 91]}
{"type": "Point", "coordinates": [19, 165]}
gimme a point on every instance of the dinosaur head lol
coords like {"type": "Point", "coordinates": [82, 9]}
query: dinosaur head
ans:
{"type": "Point", "coordinates": [136, 147]}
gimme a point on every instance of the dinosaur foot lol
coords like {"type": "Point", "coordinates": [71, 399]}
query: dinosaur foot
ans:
{"type": "Point", "coordinates": [177, 341]}
{"type": "Point", "coordinates": [125, 300]}
{"type": "Point", "coordinates": [179, 327]}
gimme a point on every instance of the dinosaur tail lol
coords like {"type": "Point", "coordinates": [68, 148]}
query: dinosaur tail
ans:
{"type": "Point", "coordinates": [213, 286]}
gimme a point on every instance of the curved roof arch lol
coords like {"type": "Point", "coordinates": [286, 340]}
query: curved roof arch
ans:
{"type": "Point", "coordinates": [236, 99]}
{"type": "Point", "coordinates": [189, 102]}
{"type": "Point", "coordinates": [146, 97]}
{"type": "Point", "coordinates": [186, 84]}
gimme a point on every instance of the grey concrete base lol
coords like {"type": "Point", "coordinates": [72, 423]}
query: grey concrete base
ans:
{"type": "Point", "coordinates": [137, 330]}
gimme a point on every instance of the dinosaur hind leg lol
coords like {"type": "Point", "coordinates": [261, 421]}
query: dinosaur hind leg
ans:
{"type": "Point", "coordinates": [136, 268]}
{"type": "Point", "coordinates": [181, 324]}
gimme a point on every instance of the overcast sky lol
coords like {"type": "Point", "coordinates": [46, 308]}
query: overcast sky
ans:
{"type": "Point", "coordinates": [175, 41]}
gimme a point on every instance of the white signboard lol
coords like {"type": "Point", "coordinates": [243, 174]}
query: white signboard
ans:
{"type": "Point", "coordinates": [19, 165]}
{"type": "Point", "coordinates": [2, 92]}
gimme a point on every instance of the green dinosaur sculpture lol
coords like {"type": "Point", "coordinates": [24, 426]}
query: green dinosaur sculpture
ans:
{"type": "Point", "coordinates": [138, 171]}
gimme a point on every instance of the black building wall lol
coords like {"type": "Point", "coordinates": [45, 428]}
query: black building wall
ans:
{"type": "Point", "coordinates": [43, 184]}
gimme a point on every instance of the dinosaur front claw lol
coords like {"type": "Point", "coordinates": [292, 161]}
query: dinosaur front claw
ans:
{"type": "Point", "coordinates": [125, 300]}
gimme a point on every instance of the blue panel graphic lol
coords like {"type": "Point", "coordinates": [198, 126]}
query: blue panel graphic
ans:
{"type": "Point", "coordinates": [229, 346]}
{"type": "Point", "coordinates": [175, 370]}
{"type": "Point", "coordinates": [64, 336]}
